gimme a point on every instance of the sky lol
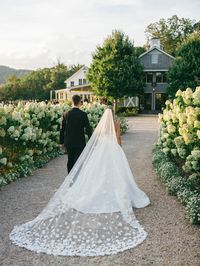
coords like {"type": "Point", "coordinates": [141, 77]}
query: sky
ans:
{"type": "Point", "coordinates": [37, 33]}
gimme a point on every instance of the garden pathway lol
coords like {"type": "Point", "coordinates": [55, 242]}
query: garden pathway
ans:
{"type": "Point", "coordinates": [171, 239]}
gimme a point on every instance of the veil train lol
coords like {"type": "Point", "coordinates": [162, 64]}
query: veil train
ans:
{"type": "Point", "coordinates": [91, 213]}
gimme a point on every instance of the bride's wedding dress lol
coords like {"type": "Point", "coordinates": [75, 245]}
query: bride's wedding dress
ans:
{"type": "Point", "coordinates": [91, 213]}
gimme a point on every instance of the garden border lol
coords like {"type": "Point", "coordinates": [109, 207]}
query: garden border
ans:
{"type": "Point", "coordinates": [177, 184]}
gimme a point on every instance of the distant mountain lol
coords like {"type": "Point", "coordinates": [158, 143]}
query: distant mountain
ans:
{"type": "Point", "coordinates": [6, 71]}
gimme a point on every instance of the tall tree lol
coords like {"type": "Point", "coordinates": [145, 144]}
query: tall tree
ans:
{"type": "Point", "coordinates": [185, 72]}
{"type": "Point", "coordinates": [139, 50]}
{"type": "Point", "coordinates": [12, 90]}
{"type": "Point", "coordinates": [59, 74]}
{"type": "Point", "coordinates": [115, 70]}
{"type": "Point", "coordinates": [172, 31]}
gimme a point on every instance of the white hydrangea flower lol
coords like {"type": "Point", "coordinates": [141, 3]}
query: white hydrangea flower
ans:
{"type": "Point", "coordinates": [3, 161]}
{"type": "Point", "coordinates": [11, 129]}
{"type": "Point", "coordinates": [171, 128]}
{"type": "Point", "coordinates": [3, 121]}
{"type": "Point", "coordinates": [179, 141]}
{"type": "Point", "coordinates": [196, 96]}
{"type": "Point", "coordinates": [10, 165]}
{"type": "Point", "coordinates": [197, 124]}
{"type": "Point", "coordinates": [16, 134]}
{"type": "Point", "coordinates": [196, 153]}
{"type": "Point", "coordinates": [166, 150]}
{"type": "Point", "coordinates": [198, 134]}
{"type": "Point", "coordinates": [16, 116]}
{"type": "Point", "coordinates": [2, 132]}
{"type": "Point", "coordinates": [174, 152]}
{"type": "Point", "coordinates": [179, 93]}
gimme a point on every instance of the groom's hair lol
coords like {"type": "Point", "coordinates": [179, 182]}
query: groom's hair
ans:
{"type": "Point", "coordinates": [76, 99]}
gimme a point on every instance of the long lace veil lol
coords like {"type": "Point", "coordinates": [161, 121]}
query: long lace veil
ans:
{"type": "Point", "coordinates": [91, 213]}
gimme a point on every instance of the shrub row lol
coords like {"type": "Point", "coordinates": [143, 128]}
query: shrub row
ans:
{"type": "Point", "coordinates": [29, 135]}
{"type": "Point", "coordinates": [186, 189]}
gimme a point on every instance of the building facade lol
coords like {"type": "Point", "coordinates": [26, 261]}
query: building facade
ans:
{"type": "Point", "coordinates": [76, 84]}
{"type": "Point", "coordinates": [156, 64]}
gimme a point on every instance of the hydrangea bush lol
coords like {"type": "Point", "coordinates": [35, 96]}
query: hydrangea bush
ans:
{"type": "Point", "coordinates": [178, 161]}
{"type": "Point", "coordinates": [180, 130]}
{"type": "Point", "coordinates": [29, 135]}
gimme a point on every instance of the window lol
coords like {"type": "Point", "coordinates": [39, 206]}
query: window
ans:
{"type": "Point", "coordinates": [72, 84]}
{"type": "Point", "coordinates": [149, 77]}
{"type": "Point", "coordinates": [159, 77]}
{"type": "Point", "coordinates": [154, 58]}
{"type": "Point", "coordinates": [84, 81]}
{"type": "Point", "coordinates": [61, 95]}
{"type": "Point", "coordinates": [80, 82]}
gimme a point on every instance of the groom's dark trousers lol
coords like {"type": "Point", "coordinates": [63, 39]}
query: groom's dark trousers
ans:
{"type": "Point", "coordinates": [75, 125]}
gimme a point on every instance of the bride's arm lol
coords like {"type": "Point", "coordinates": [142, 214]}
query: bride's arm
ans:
{"type": "Point", "coordinates": [117, 130]}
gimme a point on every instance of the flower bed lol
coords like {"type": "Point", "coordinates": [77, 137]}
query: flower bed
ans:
{"type": "Point", "coordinates": [180, 130]}
{"type": "Point", "coordinates": [177, 184]}
{"type": "Point", "coordinates": [29, 135]}
{"type": "Point", "coordinates": [179, 141]}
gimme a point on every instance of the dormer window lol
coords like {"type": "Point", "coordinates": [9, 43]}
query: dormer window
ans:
{"type": "Point", "coordinates": [154, 58]}
{"type": "Point", "coordinates": [80, 82]}
{"type": "Point", "coordinates": [72, 84]}
{"type": "Point", "coordinates": [84, 81]}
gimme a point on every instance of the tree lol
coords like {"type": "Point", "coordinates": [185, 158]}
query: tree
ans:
{"type": "Point", "coordinates": [12, 90]}
{"type": "Point", "coordinates": [115, 70]}
{"type": "Point", "coordinates": [139, 50]}
{"type": "Point", "coordinates": [37, 84]}
{"type": "Point", "coordinates": [185, 72]}
{"type": "Point", "coordinates": [59, 74]}
{"type": "Point", "coordinates": [171, 32]}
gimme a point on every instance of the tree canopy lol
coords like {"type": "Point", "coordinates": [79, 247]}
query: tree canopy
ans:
{"type": "Point", "coordinates": [115, 70]}
{"type": "Point", "coordinates": [185, 72]}
{"type": "Point", "coordinates": [37, 84]}
{"type": "Point", "coordinates": [171, 31]}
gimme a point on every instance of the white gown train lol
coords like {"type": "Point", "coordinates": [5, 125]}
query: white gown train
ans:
{"type": "Point", "coordinates": [91, 213]}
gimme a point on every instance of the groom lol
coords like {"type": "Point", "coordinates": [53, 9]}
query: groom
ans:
{"type": "Point", "coordinates": [75, 124]}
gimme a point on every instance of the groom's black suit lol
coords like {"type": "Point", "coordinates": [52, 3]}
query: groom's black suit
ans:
{"type": "Point", "coordinates": [75, 124]}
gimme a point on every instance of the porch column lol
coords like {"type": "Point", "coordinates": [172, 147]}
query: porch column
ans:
{"type": "Point", "coordinates": [153, 100]}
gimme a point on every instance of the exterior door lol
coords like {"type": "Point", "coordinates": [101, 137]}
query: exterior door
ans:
{"type": "Point", "coordinates": [146, 101]}
{"type": "Point", "coordinates": [160, 100]}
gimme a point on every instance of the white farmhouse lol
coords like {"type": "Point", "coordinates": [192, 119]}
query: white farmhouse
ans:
{"type": "Point", "coordinates": [76, 84]}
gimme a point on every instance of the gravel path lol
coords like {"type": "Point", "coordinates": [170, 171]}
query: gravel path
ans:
{"type": "Point", "coordinates": [171, 240]}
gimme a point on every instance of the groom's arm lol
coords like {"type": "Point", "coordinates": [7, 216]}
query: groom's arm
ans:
{"type": "Point", "coordinates": [62, 129]}
{"type": "Point", "coordinates": [88, 128]}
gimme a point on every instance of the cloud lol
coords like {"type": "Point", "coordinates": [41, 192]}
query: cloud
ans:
{"type": "Point", "coordinates": [35, 33]}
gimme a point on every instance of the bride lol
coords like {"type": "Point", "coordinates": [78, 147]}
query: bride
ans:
{"type": "Point", "coordinates": [91, 213]}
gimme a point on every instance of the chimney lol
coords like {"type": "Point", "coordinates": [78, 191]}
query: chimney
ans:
{"type": "Point", "coordinates": [155, 42]}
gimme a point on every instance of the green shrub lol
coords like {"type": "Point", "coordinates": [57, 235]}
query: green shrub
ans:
{"type": "Point", "coordinates": [178, 184]}
{"type": "Point", "coordinates": [180, 131]}
{"type": "Point", "coordinates": [193, 209]}
{"type": "Point", "coordinates": [127, 111]}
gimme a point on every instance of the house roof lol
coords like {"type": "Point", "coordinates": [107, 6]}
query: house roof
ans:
{"type": "Point", "coordinates": [74, 87]}
{"type": "Point", "coordinates": [76, 72]}
{"type": "Point", "coordinates": [160, 50]}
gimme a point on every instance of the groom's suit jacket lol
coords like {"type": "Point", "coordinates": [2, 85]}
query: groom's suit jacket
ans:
{"type": "Point", "coordinates": [75, 124]}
